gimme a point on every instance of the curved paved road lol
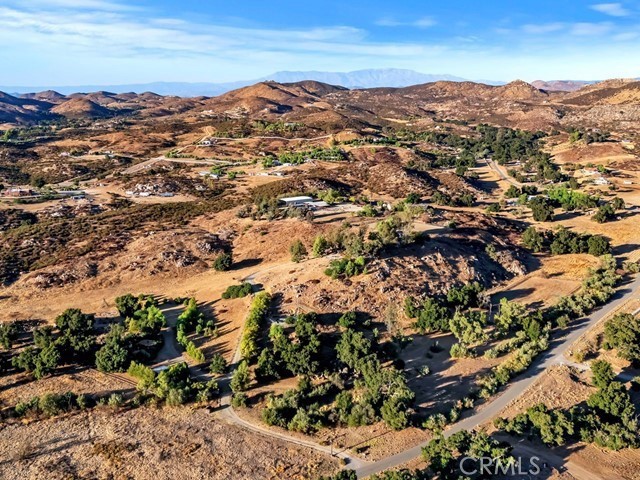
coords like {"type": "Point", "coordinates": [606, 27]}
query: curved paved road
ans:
{"type": "Point", "coordinates": [553, 356]}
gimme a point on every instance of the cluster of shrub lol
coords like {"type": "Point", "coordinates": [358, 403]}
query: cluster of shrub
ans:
{"type": "Point", "coordinates": [596, 289]}
{"type": "Point", "coordinates": [570, 199]}
{"type": "Point", "coordinates": [444, 455]}
{"type": "Point", "coordinates": [388, 475]}
{"type": "Point", "coordinates": [193, 320]}
{"type": "Point", "coordinates": [294, 349]}
{"type": "Point", "coordinates": [563, 241]}
{"type": "Point", "coordinates": [73, 341]}
{"type": "Point", "coordinates": [333, 154]}
{"type": "Point", "coordinates": [255, 320]}
{"type": "Point", "coordinates": [607, 211]}
{"type": "Point", "coordinates": [622, 332]}
{"type": "Point", "coordinates": [538, 167]}
{"type": "Point", "coordinates": [454, 314]}
{"type": "Point", "coordinates": [428, 160]}
{"type": "Point", "coordinates": [543, 207]}
{"type": "Point", "coordinates": [504, 145]}
{"type": "Point", "coordinates": [264, 126]}
{"type": "Point", "coordinates": [143, 321]}
{"type": "Point", "coordinates": [463, 200]}
{"type": "Point", "coordinates": [356, 245]}
{"type": "Point", "coordinates": [291, 353]}
{"type": "Point", "coordinates": [238, 291]}
{"type": "Point", "coordinates": [608, 419]}
{"type": "Point", "coordinates": [346, 267]}
{"type": "Point", "coordinates": [266, 207]}
{"type": "Point", "coordinates": [575, 135]}
{"type": "Point", "coordinates": [51, 404]}
{"type": "Point", "coordinates": [173, 385]}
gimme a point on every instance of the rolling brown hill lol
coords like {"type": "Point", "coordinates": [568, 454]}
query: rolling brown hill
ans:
{"type": "Point", "coordinates": [272, 97]}
{"type": "Point", "coordinates": [50, 96]}
{"type": "Point", "coordinates": [332, 108]}
{"type": "Point", "coordinates": [81, 108]}
{"type": "Point", "coordinates": [609, 92]}
{"type": "Point", "coordinates": [16, 110]}
{"type": "Point", "coordinates": [560, 85]}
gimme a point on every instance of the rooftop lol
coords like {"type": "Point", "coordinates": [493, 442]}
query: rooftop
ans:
{"type": "Point", "coordinates": [296, 199]}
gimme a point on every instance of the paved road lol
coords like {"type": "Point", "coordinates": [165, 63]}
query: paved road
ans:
{"type": "Point", "coordinates": [516, 388]}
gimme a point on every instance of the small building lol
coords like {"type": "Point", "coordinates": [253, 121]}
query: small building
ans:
{"type": "Point", "coordinates": [295, 201]}
{"type": "Point", "coordinates": [19, 192]}
{"type": "Point", "coordinates": [71, 193]}
{"type": "Point", "coordinates": [215, 176]}
{"type": "Point", "coordinates": [600, 181]}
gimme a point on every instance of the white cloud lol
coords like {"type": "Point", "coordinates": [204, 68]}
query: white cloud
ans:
{"type": "Point", "coordinates": [626, 36]}
{"type": "Point", "coordinates": [424, 22]}
{"type": "Point", "coordinates": [539, 29]}
{"type": "Point", "coordinates": [99, 5]}
{"type": "Point", "coordinates": [613, 9]}
{"type": "Point", "coordinates": [591, 29]}
{"type": "Point", "coordinates": [581, 29]}
{"type": "Point", "coordinates": [92, 42]}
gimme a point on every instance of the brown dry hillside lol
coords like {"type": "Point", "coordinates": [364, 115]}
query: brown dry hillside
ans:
{"type": "Point", "coordinates": [559, 85]}
{"type": "Point", "coordinates": [21, 110]}
{"type": "Point", "coordinates": [271, 97]}
{"type": "Point", "coordinates": [81, 108]}
{"type": "Point", "coordinates": [50, 96]}
{"type": "Point", "coordinates": [609, 92]}
{"type": "Point", "coordinates": [332, 108]}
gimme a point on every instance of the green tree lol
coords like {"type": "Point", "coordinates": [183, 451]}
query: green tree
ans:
{"type": "Point", "coordinates": [469, 328]}
{"type": "Point", "coordinates": [598, 246]}
{"type": "Point", "coordinates": [223, 262]}
{"type": "Point", "coordinates": [509, 314]}
{"type": "Point", "coordinates": [77, 335]}
{"type": "Point", "coordinates": [602, 373]}
{"type": "Point", "coordinates": [542, 209]}
{"type": "Point", "coordinates": [430, 317]}
{"type": "Point", "coordinates": [218, 364]}
{"type": "Point", "coordinates": [114, 356]}
{"type": "Point", "coordinates": [127, 305]}
{"type": "Point", "coordinates": [320, 246]}
{"type": "Point", "coordinates": [613, 400]}
{"type": "Point", "coordinates": [533, 240]}
{"type": "Point", "coordinates": [8, 335]}
{"type": "Point", "coordinates": [241, 378]}
{"type": "Point", "coordinates": [347, 320]}
{"type": "Point", "coordinates": [298, 251]}
{"type": "Point", "coordinates": [622, 332]}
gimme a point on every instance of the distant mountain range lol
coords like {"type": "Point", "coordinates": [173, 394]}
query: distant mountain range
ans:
{"type": "Point", "coordinates": [372, 78]}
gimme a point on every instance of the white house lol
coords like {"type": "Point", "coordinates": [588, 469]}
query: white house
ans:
{"type": "Point", "coordinates": [295, 201]}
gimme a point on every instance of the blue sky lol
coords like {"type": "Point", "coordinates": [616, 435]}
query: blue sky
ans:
{"type": "Point", "coordinates": [75, 42]}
